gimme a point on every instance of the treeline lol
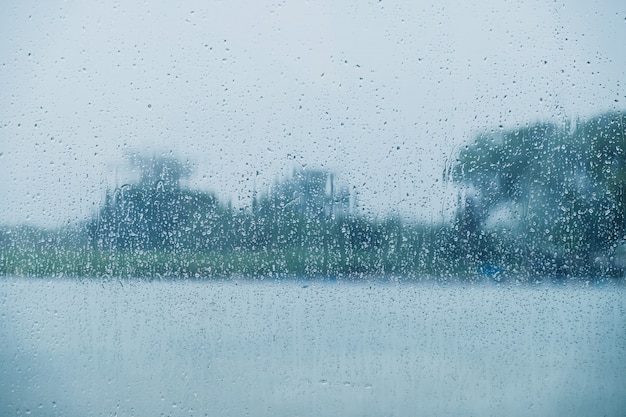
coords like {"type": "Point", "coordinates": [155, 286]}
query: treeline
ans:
{"type": "Point", "coordinates": [304, 226]}
{"type": "Point", "coordinates": [539, 202]}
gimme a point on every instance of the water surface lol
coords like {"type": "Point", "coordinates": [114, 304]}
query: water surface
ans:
{"type": "Point", "coordinates": [233, 348]}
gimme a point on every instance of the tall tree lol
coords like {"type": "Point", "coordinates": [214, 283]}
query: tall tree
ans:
{"type": "Point", "coordinates": [564, 185]}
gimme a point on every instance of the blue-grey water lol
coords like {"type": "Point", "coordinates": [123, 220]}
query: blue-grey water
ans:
{"type": "Point", "coordinates": [94, 348]}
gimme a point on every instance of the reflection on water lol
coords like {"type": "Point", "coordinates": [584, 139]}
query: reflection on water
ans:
{"type": "Point", "coordinates": [74, 348]}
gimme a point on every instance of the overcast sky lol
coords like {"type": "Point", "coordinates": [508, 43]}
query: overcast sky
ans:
{"type": "Point", "coordinates": [382, 92]}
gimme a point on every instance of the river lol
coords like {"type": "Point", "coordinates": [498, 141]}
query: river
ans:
{"type": "Point", "coordinates": [73, 347]}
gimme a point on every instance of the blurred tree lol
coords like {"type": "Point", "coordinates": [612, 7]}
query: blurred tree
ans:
{"type": "Point", "coordinates": [160, 171]}
{"type": "Point", "coordinates": [565, 188]}
{"type": "Point", "coordinates": [156, 213]}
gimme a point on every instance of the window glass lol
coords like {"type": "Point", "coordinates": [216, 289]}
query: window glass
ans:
{"type": "Point", "coordinates": [312, 208]}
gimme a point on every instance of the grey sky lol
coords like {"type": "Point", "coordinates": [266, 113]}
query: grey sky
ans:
{"type": "Point", "coordinates": [382, 92]}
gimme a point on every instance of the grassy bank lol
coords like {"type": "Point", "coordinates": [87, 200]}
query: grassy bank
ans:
{"type": "Point", "coordinates": [308, 262]}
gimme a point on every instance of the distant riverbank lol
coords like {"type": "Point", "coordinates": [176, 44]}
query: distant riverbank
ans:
{"type": "Point", "coordinates": [249, 265]}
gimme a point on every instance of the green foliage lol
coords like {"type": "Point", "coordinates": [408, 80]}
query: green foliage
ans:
{"type": "Point", "coordinates": [564, 187]}
{"type": "Point", "coordinates": [544, 200]}
{"type": "Point", "coordinates": [408, 255]}
{"type": "Point", "coordinates": [302, 227]}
